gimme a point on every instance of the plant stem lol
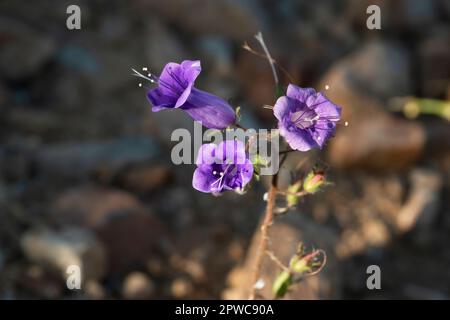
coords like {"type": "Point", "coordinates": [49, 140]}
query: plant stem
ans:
{"type": "Point", "coordinates": [268, 219]}
{"type": "Point", "coordinates": [262, 246]}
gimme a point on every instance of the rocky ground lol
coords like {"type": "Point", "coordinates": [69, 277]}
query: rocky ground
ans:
{"type": "Point", "coordinates": [85, 170]}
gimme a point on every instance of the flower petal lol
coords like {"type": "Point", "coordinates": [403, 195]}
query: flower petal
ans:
{"type": "Point", "coordinates": [322, 131]}
{"type": "Point", "coordinates": [206, 154]}
{"type": "Point", "coordinates": [282, 107]}
{"type": "Point", "coordinates": [300, 94]}
{"type": "Point", "coordinates": [191, 70]}
{"type": "Point", "coordinates": [172, 81]}
{"type": "Point", "coordinates": [159, 100]}
{"type": "Point", "coordinates": [212, 111]}
{"type": "Point", "coordinates": [202, 180]}
{"type": "Point", "coordinates": [298, 139]}
{"type": "Point", "coordinates": [184, 96]}
{"type": "Point", "coordinates": [324, 107]}
{"type": "Point", "coordinates": [231, 151]}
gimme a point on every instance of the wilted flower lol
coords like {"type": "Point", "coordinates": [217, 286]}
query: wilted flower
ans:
{"type": "Point", "coordinates": [176, 90]}
{"type": "Point", "coordinates": [222, 167]}
{"type": "Point", "coordinates": [306, 118]}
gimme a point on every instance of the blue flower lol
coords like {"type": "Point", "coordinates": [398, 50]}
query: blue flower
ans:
{"type": "Point", "coordinates": [222, 167]}
{"type": "Point", "coordinates": [306, 119]}
{"type": "Point", "coordinates": [176, 90]}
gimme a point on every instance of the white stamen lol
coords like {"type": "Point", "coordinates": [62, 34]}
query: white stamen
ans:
{"type": "Point", "coordinates": [214, 172]}
{"type": "Point", "coordinates": [327, 87]}
{"type": "Point", "coordinates": [140, 84]}
{"type": "Point", "coordinates": [140, 75]}
{"type": "Point", "coordinates": [346, 123]}
{"type": "Point", "coordinates": [144, 69]}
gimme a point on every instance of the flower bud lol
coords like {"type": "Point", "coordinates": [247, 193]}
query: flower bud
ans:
{"type": "Point", "coordinates": [313, 181]}
{"type": "Point", "coordinates": [292, 197]}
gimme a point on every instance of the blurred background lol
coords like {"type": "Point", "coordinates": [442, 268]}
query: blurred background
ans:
{"type": "Point", "coordinates": [85, 170]}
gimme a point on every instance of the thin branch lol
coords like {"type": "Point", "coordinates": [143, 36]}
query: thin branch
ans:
{"type": "Point", "coordinates": [276, 260]}
{"type": "Point", "coordinates": [260, 39]}
{"type": "Point", "coordinates": [256, 53]}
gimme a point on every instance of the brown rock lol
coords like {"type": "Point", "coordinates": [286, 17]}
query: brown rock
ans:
{"type": "Point", "coordinates": [144, 178]}
{"type": "Point", "coordinates": [129, 231]}
{"type": "Point", "coordinates": [374, 139]}
{"type": "Point", "coordinates": [377, 143]}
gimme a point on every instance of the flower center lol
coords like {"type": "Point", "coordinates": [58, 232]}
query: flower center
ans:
{"type": "Point", "coordinates": [223, 174]}
{"type": "Point", "coordinates": [303, 119]}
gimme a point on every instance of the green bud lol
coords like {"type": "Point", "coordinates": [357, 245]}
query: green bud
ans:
{"type": "Point", "coordinates": [291, 197]}
{"type": "Point", "coordinates": [281, 284]}
{"type": "Point", "coordinates": [299, 265]}
{"type": "Point", "coordinates": [313, 181]}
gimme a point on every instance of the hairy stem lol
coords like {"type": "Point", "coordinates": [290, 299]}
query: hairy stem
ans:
{"type": "Point", "coordinates": [263, 239]}
{"type": "Point", "coordinates": [262, 246]}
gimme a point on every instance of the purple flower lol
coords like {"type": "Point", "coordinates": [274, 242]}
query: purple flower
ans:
{"type": "Point", "coordinates": [306, 118]}
{"type": "Point", "coordinates": [222, 167]}
{"type": "Point", "coordinates": [176, 90]}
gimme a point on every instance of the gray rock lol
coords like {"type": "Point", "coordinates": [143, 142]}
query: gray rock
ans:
{"type": "Point", "coordinates": [237, 20]}
{"type": "Point", "coordinates": [60, 249]}
{"type": "Point", "coordinates": [82, 159]}
{"type": "Point", "coordinates": [16, 59]}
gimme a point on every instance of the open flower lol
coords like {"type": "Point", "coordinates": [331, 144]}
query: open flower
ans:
{"type": "Point", "coordinates": [222, 167]}
{"type": "Point", "coordinates": [306, 118]}
{"type": "Point", "coordinates": [176, 90]}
